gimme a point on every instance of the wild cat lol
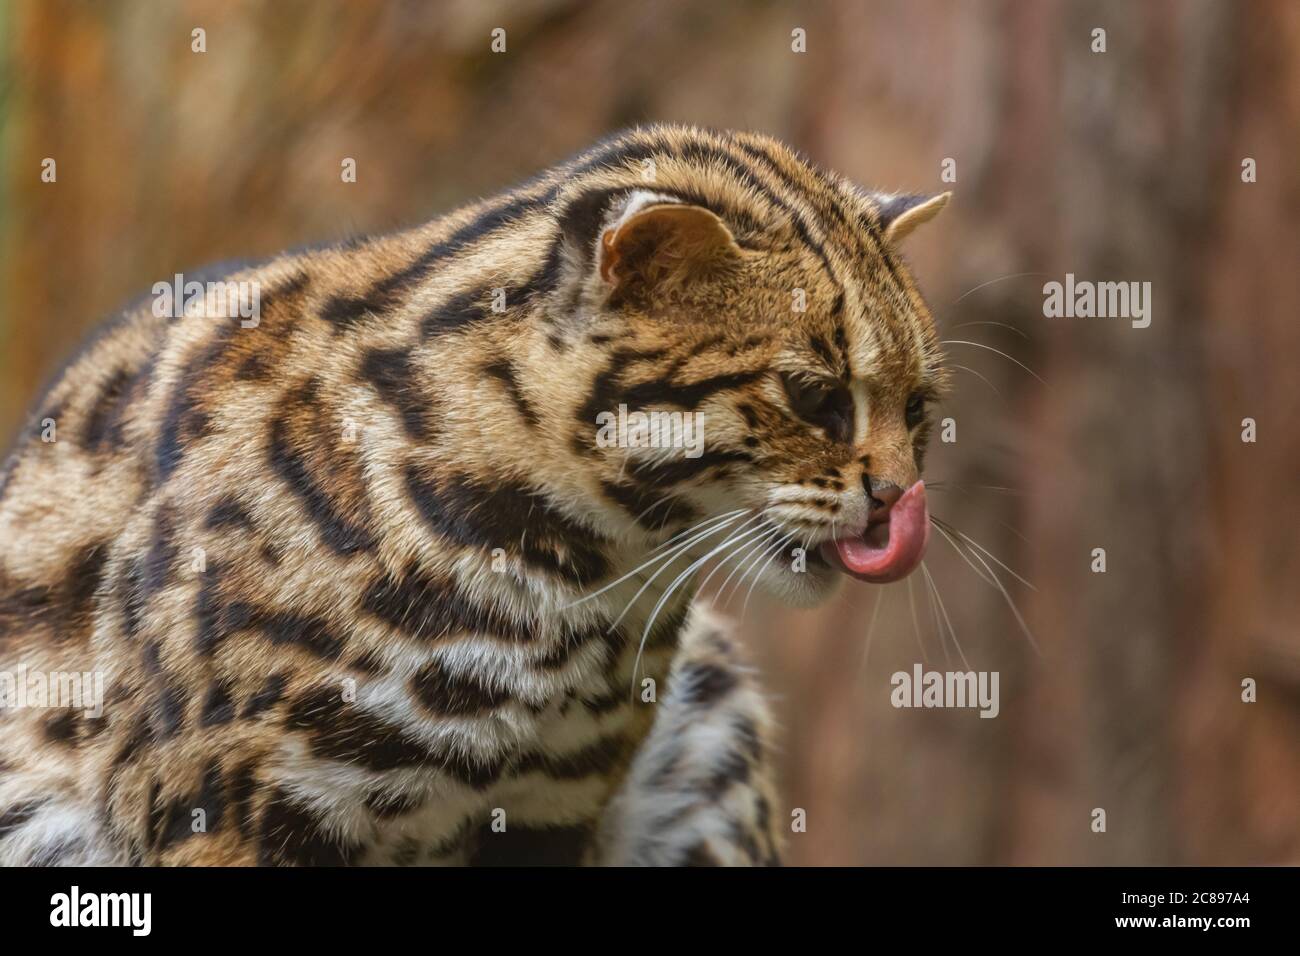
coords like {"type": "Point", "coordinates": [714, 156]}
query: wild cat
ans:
{"type": "Point", "coordinates": [362, 585]}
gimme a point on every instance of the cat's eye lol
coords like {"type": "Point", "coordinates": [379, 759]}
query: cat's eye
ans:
{"type": "Point", "coordinates": [821, 402]}
{"type": "Point", "coordinates": [915, 412]}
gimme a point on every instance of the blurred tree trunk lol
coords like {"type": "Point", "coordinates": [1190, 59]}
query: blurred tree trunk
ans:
{"type": "Point", "coordinates": [1115, 166]}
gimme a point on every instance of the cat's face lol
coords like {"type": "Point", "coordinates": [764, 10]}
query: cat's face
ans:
{"type": "Point", "coordinates": [802, 385]}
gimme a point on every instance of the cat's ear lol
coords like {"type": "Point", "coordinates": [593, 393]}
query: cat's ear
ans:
{"type": "Point", "coordinates": [655, 242]}
{"type": "Point", "coordinates": [899, 215]}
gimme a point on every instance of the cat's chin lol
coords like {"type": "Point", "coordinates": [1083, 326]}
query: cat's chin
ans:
{"type": "Point", "coordinates": [806, 588]}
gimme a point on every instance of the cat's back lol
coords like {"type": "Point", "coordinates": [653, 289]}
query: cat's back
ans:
{"type": "Point", "coordinates": [106, 433]}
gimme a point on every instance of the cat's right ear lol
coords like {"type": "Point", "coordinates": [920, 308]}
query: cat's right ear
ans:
{"type": "Point", "coordinates": [900, 215]}
{"type": "Point", "coordinates": [649, 243]}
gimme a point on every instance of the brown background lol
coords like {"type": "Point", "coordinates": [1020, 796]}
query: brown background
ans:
{"type": "Point", "coordinates": [1116, 166]}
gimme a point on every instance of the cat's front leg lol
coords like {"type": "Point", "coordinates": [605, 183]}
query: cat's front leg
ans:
{"type": "Point", "coordinates": [701, 790]}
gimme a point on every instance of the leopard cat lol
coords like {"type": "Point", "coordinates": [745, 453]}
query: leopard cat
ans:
{"type": "Point", "coordinates": [360, 578]}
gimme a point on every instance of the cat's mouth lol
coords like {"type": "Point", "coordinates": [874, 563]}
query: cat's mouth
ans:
{"type": "Point", "coordinates": [888, 550]}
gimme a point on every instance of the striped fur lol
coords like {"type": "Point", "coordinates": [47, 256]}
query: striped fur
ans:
{"type": "Point", "coordinates": [328, 565]}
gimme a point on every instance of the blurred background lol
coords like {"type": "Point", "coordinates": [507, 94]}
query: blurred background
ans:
{"type": "Point", "coordinates": [1124, 166]}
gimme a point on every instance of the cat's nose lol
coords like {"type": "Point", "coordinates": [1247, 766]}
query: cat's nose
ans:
{"type": "Point", "coordinates": [881, 496]}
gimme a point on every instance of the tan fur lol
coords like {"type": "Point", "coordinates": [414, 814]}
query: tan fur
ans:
{"type": "Point", "coordinates": [335, 568]}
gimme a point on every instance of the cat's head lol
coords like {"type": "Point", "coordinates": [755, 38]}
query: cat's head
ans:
{"type": "Point", "coordinates": [754, 345]}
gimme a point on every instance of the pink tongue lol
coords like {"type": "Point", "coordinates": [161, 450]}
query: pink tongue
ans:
{"type": "Point", "coordinates": [909, 532]}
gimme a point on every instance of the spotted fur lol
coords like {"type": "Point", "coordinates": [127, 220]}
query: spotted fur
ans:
{"type": "Point", "coordinates": [337, 568]}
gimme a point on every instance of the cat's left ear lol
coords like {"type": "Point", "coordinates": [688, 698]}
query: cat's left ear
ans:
{"type": "Point", "coordinates": [899, 215]}
{"type": "Point", "coordinates": [637, 242]}
{"type": "Point", "coordinates": [657, 241]}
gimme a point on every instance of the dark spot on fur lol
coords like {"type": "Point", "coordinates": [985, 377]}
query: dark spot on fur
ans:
{"type": "Point", "coordinates": [600, 757]}
{"type": "Point", "coordinates": [103, 428]}
{"type": "Point", "coordinates": [185, 418]}
{"type": "Point", "coordinates": [229, 512]}
{"type": "Point", "coordinates": [456, 313]}
{"type": "Point", "coordinates": [61, 727]}
{"type": "Point", "coordinates": [443, 692]}
{"type": "Point", "coordinates": [652, 510]}
{"type": "Point", "coordinates": [270, 694]}
{"type": "Point", "coordinates": [504, 372]}
{"type": "Point", "coordinates": [291, 835]}
{"type": "Point", "coordinates": [514, 517]}
{"type": "Point", "coordinates": [217, 618]}
{"type": "Point", "coordinates": [162, 552]}
{"type": "Point", "coordinates": [393, 376]}
{"type": "Point", "coordinates": [342, 731]}
{"type": "Point", "coordinates": [141, 735]}
{"type": "Point", "coordinates": [345, 311]}
{"type": "Point", "coordinates": [299, 437]}
{"type": "Point", "coordinates": [171, 711]}
{"type": "Point", "coordinates": [242, 787]}
{"type": "Point", "coordinates": [300, 630]}
{"type": "Point", "coordinates": [706, 683]}
{"type": "Point", "coordinates": [218, 707]}
{"type": "Point", "coordinates": [428, 608]}
{"type": "Point", "coordinates": [14, 816]}
{"type": "Point", "coordinates": [83, 582]}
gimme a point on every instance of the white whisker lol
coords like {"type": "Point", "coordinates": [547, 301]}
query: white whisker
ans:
{"type": "Point", "coordinates": [776, 550]}
{"type": "Point", "coordinates": [980, 345]}
{"type": "Point", "coordinates": [951, 631]}
{"type": "Point", "coordinates": [724, 521]}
